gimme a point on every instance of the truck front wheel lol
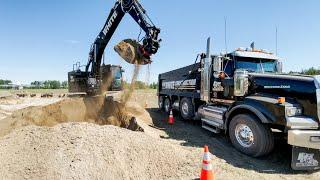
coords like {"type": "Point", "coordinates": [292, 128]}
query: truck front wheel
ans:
{"type": "Point", "coordinates": [186, 108]}
{"type": "Point", "coordinates": [250, 136]}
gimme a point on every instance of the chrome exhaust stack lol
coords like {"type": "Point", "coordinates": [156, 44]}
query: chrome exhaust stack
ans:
{"type": "Point", "coordinates": [206, 63]}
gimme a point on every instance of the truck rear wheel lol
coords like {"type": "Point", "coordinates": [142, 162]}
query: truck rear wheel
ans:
{"type": "Point", "coordinates": [186, 108]}
{"type": "Point", "coordinates": [250, 136]}
{"type": "Point", "coordinates": [167, 105]}
{"type": "Point", "coordinates": [160, 102]}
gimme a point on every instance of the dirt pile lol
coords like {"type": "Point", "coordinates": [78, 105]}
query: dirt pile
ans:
{"type": "Point", "coordinates": [98, 110]}
{"type": "Point", "coordinates": [9, 100]}
{"type": "Point", "coordinates": [89, 151]}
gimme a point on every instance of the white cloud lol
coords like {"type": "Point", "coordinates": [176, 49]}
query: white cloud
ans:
{"type": "Point", "coordinates": [70, 41]}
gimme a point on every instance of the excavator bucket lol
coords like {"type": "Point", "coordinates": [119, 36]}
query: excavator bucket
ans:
{"type": "Point", "coordinates": [132, 52]}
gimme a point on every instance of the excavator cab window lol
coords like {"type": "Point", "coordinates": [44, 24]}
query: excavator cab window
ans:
{"type": "Point", "coordinates": [117, 78]}
{"type": "Point", "coordinates": [117, 73]}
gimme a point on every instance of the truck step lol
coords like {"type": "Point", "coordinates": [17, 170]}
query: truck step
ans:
{"type": "Point", "coordinates": [213, 123]}
{"type": "Point", "coordinates": [212, 118]}
{"type": "Point", "coordinates": [210, 128]}
{"type": "Point", "coordinates": [213, 115]}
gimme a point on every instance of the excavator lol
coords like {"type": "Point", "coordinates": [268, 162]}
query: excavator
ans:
{"type": "Point", "coordinates": [98, 77]}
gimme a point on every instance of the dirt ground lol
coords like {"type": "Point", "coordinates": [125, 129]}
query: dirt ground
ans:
{"type": "Point", "coordinates": [162, 151]}
{"type": "Point", "coordinates": [230, 163]}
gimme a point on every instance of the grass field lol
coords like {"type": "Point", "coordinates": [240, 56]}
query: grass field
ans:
{"type": "Point", "coordinates": [56, 91]}
{"type": "Point", "coordinates": [30, 91]}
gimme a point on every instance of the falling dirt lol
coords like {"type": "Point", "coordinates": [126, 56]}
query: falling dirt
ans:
{"type": "Point", "coordinates": [127, 94]}
{"type": "Point", "coordinates": [106, 83]}
{"type": "Point", "coordinates": [98, 110]}
{"type": "Point", "coordinates": [147, 81]}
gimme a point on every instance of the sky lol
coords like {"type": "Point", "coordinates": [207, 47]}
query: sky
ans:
{"type": "Point", "coordinates": [41, 40]}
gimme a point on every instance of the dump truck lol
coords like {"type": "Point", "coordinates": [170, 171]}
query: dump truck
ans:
{"type": "Point", "coordinates": [245, 95]}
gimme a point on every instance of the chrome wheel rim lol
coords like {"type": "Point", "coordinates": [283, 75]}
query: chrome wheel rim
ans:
{"type": "Point", "coordinates": [160, 103]}
{"type": "Point", "coordinates": [166, 106]}
{"type": "Point", "coordinates": [244, 135]}
{"type": "Point", "coordinates": [184, 108]}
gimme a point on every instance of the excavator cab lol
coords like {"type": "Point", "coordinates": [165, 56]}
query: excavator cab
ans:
{"type": "Point", "coordinates": [110, 78]}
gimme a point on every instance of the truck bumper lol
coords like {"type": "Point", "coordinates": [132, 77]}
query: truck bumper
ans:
{"type": "Point", "coordinates": [305, 149]}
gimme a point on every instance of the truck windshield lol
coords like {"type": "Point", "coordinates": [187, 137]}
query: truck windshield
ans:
{"type": "Point", "coordinates": [257, 65]}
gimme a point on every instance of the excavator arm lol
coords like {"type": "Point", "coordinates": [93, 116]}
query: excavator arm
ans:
{"type": "Point", "coordinates": [150, 43]}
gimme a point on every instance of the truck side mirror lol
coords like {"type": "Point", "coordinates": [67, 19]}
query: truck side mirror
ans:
{"type": "Point", "coordinates": [217, 66]}
{"type": "Point", "coordinates": [279, 67]}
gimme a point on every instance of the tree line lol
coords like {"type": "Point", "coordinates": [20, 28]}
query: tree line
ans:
{"type": "Point", "coordinates": [5, 82]}
{"type": "Point", "coordinates": [311, 71]}
{"type": "Point", "coordinates": [49, 84]}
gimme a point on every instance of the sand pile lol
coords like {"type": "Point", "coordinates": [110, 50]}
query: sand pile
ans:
{"type": "Point", "coordinates": [89, 151]}
{"type": "Point", "coordinates": [98, 110]}
{"type": "Point", "coordinates": [3, 114]}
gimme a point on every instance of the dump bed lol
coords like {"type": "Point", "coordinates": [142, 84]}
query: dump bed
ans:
{"type": "Point", "coordinates": [181, 82]}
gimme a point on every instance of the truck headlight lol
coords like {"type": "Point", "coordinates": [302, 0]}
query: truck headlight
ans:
{"type": "Point", "coordinates": [293, 111]}
{"type": "Point", "coordinates": [315, 139]}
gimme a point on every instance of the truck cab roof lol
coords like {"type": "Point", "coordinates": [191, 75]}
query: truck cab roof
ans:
{"type": "Point", "coordinates": [260, 54]}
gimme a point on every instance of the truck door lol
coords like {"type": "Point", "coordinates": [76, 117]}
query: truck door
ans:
{"type": "Point", "coordinates": [217, 74]}
{"type": "Point", "coordinates": [223, 72]}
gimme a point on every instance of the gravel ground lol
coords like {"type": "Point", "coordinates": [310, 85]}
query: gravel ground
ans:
{"type": "Point", "coordinates": [228, 162]}
{"type": "Point", "coordinates": [10, 104]}
{"type": "Point", "coordinates": [88, 151]}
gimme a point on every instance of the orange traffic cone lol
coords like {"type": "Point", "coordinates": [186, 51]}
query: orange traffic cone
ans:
{"type": "Point", "coordinates": [206, 171]}
{"type": "Point", "coordinates": [171, 119]}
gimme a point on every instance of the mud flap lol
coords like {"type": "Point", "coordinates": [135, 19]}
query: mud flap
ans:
{"type": "Point", "coordinates": [305, 158]}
